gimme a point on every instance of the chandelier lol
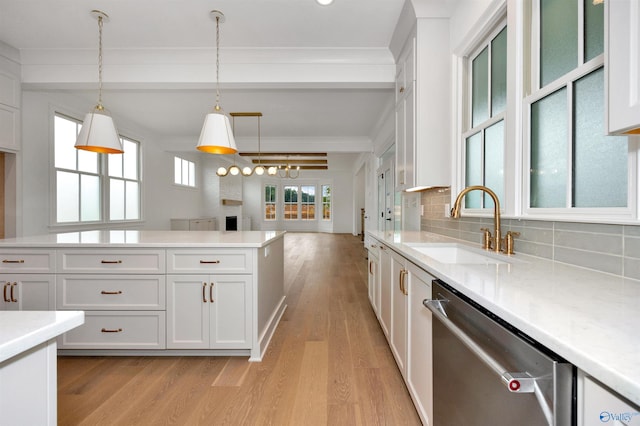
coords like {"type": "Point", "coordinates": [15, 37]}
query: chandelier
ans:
{"type": "Point", "coordinates": [258, 170]}
{"type": "Point", "coordinates": [288, 172]}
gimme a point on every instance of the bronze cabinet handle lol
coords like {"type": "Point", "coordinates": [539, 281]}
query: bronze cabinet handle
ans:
{"type": "Point", "coordinates": [109, 330]}
{"type": "Point", "coordinates": [211, 292]}
{"type": "Point", "coordinates": [111, 292]}
{"type": "Point", "coordinates": [204, 296]}
{"type": "Point", "coordinates": [13, 286]}
{"type": "Point", "coordinates": [13, 261]}
{"type": "Point", "coordinates": [210, 261]}
{"type": "Point", "coordinates": [111, 261]}
{"type": "Point", "coordinates": [4, 292]}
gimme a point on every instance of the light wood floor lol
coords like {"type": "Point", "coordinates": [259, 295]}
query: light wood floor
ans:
{"type": "Point", "coordinates": [328, 363]}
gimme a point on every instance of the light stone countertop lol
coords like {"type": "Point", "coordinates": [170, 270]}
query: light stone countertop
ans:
{"type": "Point", "coordinates": [590, 318]}
{"type": "Point", "coordinates": [148, 239]}
{"type": "Point", "coordinates": [23, 330]}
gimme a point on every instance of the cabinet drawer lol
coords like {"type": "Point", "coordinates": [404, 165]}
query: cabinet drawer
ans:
{"type": "Point", "coordinates": [228, 261]}
{"type": "Point", "coordinates": [112, 261]}
{"type": "Point", "coordinates": [111, 292]}
{"type": "Point", "coordinates": [27, 261]}
{"type": "Point", "coordinates": [117, 330]}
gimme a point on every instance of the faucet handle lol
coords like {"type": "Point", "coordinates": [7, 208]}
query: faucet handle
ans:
{"type": "Point", "coordinates": [508, 241]}
{"type": "Point", "coordinates": [486, 238]}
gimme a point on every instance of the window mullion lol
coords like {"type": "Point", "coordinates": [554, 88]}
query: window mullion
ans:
{"type": "Point", "coordinates": [570, 147]}
{"type": "Point", "coordinates": [581, 34]}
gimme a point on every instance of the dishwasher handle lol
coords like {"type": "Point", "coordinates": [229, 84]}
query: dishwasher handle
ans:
{"type": "Point", "coordinates": [517, 382]}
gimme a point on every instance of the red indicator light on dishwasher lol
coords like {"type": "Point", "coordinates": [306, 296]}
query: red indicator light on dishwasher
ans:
{"type": "Point", "coordinates": [514, 385]}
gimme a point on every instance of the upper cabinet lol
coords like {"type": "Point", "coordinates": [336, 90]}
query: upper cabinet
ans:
{"type": "Point", "coordinates": [423, 107]}
{"type": "Point", "coordinates": [10, 95]}
{"type": "Point", "coordinates": [623, 66]}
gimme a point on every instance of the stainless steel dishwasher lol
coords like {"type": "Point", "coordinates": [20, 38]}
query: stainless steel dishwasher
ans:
{"type": "Point", "coordinates": [487, 373]}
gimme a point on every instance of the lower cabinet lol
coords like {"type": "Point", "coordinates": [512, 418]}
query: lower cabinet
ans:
{"type": "Point", "coordinates": [374, 278]}
{"type": "Point", "coordinates": [406, 323]}
{"type": "Point", "coordinates": [399, 297]}
{"type": "Point", "coordinates": [384, 309]}
{"type": "Point", "coordinates": [209, 312]}
{"type": "Point", "coordinates": [419, 375]}
{"type": "Point", "coordinates": [599, 405]}
{"type": "Point", "coordinates": [27, 292]}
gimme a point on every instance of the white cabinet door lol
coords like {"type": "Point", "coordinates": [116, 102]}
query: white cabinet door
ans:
{"type": "Point", "coordinates": [209, 312]}
{"type": "Point", "coordinates": [385, 290]}
{"type": "Point", "coordinates": [27, 292]}
{"type": "Point", "coordinates": [399, 298]}
{"type": "Point", "coordinates": [598, 405]}
{"type": "Point", "coordinates": [188, 311]}
{"type": "Point", "coordinates": [419, 376]}
{"type": "Point", "coordinates": [622, 55]}
{"type": "Point", "coordinates": [374, 280]}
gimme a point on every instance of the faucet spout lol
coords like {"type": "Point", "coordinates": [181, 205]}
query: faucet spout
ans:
{"type": "Point", "coordinates": [455, 212]}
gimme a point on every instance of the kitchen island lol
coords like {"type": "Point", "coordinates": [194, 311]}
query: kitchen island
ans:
{"type": "Point", "coordinates": [587, 317]}
{"type": "Point", "coordinates": [28, 391]}
{"type": "Point", "coordinates": [154, 292]}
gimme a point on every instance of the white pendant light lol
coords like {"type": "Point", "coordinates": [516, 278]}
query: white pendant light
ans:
{"type": "Point", "coordinates": [98, 132]}
{"type": "Point", "coordinates": [216, 136]}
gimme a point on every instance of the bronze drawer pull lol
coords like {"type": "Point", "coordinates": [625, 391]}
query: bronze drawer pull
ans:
{"type": "Point", "coordinates": [13, 286]}
{"type": "Point", "coordinates": [13, 261]}
{"type": "Point", "coordinates": [106, 330]}
{"type": "Point", "coordinates": [4, 292]}
{"type": "Point", "coordinates": [210, 261]}
{"type": "Point", "coordinates": [111, 292]}
{"type": "Point", "coordinates": [211, 292]}
{"type": "Point", "coordinates": [111, 261]}
{"type": "Point", "coordinates": [204, 295]}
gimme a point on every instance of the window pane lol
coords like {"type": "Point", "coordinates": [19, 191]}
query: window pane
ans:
{"type": "Point", "coordinates": [600, 161]}
{"type": "Point", "coordinates": [115, 165]}
{"type": "Point", "coordinates": [308, 194]}
{"type": "Point", "coordinates": [64, 140]}
{"type": "Point", "coordinates": [192, 174]}
{"type": "Point", "coordinates": [67, 196]}
{"type": "Point", "coordinates": [290, 202]}
{"type": "Point", "coordinates": [558, 39]}
{"type": "Point", "coordinates": [479, 95]}
{"type": "Point", "coordinates": [177, 170]}
{"type": "Point", "coordinates": [132, 204]}
{"type": "Point", "coordinates": [594, 29]}
{"type": "Point", "coordinates": [116, 199]}
{"type": "Point", "coordinates": [290, 194]}
{"type": "Point", "coordinates": [499, 73]}
{"type": "Point", "coordinates": [473, 170]}
{"type": "Point", "coordinates": [549, 151]}
{"type": "Point", "coordinates": [87, 161]}
{"type": "Point", "coordinates": [89, 198]}
{"type": "Point", "coordinates": [494, 162]}
{"type": "Point", "coordinates": [130, 159]}
{"type": "Point", "coordinates": [185, 172]}
{"type": "Point", "coordinates": [326, 202]}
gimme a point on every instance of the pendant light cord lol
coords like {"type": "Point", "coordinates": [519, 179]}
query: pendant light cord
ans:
{"type": "Point", "coordinates": [99, 106]}
{"type": "Point", "coordinates": [217, 63]}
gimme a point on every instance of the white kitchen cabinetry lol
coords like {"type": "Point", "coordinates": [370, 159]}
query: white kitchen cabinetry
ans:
{"type": "Point", "coordinates": [209, 312]}
{"type": "Point", "coordinates": [122, 292]}
{"type": "Point", "coordinates": [419, 376]}
{"type": "Point", "coordinates": [384, 313]}
{"type": "Point", "coordinates": [373, 281]}
{"type": "Point", "coordinates": [399, 300]}
{"type": "Point", "coordinates": [423, 107]}
{"type": "Point", "coordinates": [622, 56]}
{"type": "Point", "coordinates": [195, 224]}
{"type": "Point", "coordinates": [9, 112]}
{"type": "Point", "coordinates": [598, 405]}
{"type": "Point", "coordinates": [27, 280]}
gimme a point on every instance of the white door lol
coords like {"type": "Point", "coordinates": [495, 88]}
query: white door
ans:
{"type": "Point", "coordinates": [231, 314]}
{"type": "Point", "coordinates": [399, 294]}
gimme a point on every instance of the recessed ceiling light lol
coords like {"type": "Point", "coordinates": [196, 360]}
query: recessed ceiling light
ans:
{"type": "Point", "coordinates": [324, 2]}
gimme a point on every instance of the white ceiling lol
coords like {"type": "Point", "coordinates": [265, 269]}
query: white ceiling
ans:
{"type": "Point", "coordinates": [298, 113]}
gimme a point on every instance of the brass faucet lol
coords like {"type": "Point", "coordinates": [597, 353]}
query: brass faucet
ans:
{"type": "Point", "coordinates": [489, 242]}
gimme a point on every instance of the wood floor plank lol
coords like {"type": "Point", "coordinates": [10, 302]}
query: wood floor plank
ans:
{"type": "Point", "coordinates": [328, 362]}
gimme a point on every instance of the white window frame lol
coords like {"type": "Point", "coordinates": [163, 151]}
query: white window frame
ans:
{"type": "Point", "coordinates": [191, 172]}
{"type": "Point", "coordinates": [264, 202]}
{"type": "Point", "coordinates": [103, 176]}
{"type": "Point", "coordinates": [322, 203]}
{"type": "Point", "coordinates": [534, 94]}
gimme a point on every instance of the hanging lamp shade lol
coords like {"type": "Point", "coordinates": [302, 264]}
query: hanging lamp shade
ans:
{"type": "Point", "coordinates": [217, 136]}
{"type": "Point", "coordinates": [98, 132]}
